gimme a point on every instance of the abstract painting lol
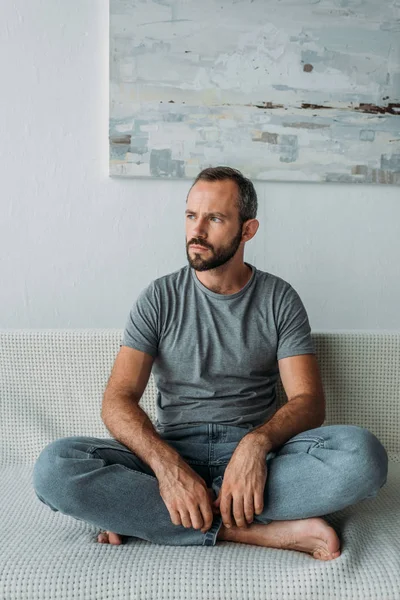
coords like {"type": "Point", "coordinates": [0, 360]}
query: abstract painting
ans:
{"type": "Point", "coordinates": [283, 90]}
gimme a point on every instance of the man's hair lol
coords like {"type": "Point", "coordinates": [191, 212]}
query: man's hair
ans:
{"type": "Point", "coordinates": [246, 201]}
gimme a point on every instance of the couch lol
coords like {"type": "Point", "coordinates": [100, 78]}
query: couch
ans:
{"type": "Point", "coordinates": [51, 386]}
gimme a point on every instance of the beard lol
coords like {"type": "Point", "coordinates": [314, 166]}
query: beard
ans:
{"type": "Point", "coordinates": [211, 259]}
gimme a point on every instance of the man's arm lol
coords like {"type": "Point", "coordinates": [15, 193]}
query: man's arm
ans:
{"type": "Point", "coordinates": [183, 491]}
{"type": "Point", "coordinates": [126, 420]}
{"type": "Point", "coordinates": [305, 408]}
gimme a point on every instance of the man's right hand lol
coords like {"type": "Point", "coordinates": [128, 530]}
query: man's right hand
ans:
{"type": "Point", "coordinates": [187, 498]}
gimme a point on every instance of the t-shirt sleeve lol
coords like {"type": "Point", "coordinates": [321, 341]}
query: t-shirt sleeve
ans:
{"type": "Point", "coordinates": [141, 328]}
{"type": "Point", "coordinates": [294, 331]}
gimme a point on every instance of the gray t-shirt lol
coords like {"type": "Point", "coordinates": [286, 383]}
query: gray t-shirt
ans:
{"type": "Point", "coordinates": [216, 355]}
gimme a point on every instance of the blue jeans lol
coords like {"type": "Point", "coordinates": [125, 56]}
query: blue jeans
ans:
{"type": "Point", "coordinates": [102, 482]}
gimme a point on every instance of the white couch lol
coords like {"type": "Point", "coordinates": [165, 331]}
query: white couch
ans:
{"type": "Point", "coordinates": [51, 386]}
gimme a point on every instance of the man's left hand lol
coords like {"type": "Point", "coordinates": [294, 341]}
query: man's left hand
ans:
{"type": "Point", "coordinates": [242, 490]}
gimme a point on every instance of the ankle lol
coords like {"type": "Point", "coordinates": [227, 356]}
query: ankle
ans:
{"type": "Point", "coordinates": [231, 533]}
{"type": "Point", "coordinates": [224, 533]}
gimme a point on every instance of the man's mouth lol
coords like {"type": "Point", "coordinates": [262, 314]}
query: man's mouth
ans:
{"type": "Point", "coordinates": [198, 247]}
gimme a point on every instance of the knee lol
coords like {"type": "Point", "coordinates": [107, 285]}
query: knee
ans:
{"type": "Point", "coordinates": [367, 460]}
{"type": "Point", "coordinates": [48, 468]}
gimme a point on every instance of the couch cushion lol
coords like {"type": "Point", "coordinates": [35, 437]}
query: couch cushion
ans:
{"type": "Point", "coordinates": [46, 555]}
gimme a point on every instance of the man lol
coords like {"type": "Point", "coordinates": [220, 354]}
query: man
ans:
{"type": "Point", "coordinates": [222, 462]}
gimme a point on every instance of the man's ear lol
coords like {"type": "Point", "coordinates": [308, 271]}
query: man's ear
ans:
{"type": "Point", "coordinates": [250, 228]}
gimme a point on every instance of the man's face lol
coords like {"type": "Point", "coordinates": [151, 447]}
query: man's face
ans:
{"type": "Point", "coordinates": [221, 235]}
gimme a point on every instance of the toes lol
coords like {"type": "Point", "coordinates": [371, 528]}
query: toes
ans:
{"type": "Point", "coordinates": [325, 555]}
{"type": "Point", "coordinates": [108, 537]}
{"type": "Point", "coordinates": [114, 538]}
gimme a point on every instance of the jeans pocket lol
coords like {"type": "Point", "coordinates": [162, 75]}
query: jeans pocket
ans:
{"type": "Point", "coordinates": [110, 444]}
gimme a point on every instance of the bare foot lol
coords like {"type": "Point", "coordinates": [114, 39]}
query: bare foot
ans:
{"type": "Point", "coordinates": [108, 537]}
{"type": "Point", "coordinates": [313, 536]}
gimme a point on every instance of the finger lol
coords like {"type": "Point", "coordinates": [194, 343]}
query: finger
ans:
{"type": "Point", "coordinates": [185, 518]}
{"type": "Point", "coordinates": [207, 516]}
{"type": "Point", "coordinates": [175, 517]}
{"type": "Point", "coordinates": [238, 511]}
{"type": "Point", "coordinates": [206, 513]}
{"type": "Point", "coordinates": [249, 508]}
{"type": "Point", "coordinates": [225, 508]}
{"type": "Point", "coordinates": [196, 519]}
{"type": "Point", "coordinates": [258, 502]}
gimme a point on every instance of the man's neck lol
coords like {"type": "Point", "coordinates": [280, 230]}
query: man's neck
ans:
{"type": "Point", "coordinates": [218, 286]}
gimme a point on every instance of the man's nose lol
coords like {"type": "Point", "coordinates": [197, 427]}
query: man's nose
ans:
{"type": "Point", "coordinates": [199, 228]}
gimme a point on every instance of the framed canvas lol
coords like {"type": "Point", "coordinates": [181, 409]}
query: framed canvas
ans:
{"type": "Point", "coordinates": [283, 90]}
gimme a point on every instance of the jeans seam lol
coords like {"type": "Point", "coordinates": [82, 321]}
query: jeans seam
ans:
{"type": "Point", "coordinates": [210, 536]}
{"type": "Point", "coordinates": [318, 445]}
{"type": "Point", "coordinates": [320, 441]}
{"type": "Point", "coordinates": [94, 448]}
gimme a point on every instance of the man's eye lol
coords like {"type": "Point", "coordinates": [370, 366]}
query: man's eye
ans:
{"type": "Point", "coordinates": [218, 219]}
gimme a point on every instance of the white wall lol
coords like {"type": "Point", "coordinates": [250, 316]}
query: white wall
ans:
{"type": "Point", "coordinates": [76, 247]}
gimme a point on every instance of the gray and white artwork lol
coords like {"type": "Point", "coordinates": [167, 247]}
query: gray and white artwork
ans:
{"type": "Point", "coordinates": [283, 90]}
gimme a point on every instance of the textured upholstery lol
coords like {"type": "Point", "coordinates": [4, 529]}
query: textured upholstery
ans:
{"type": "Point", "coordinates": [51, 386]}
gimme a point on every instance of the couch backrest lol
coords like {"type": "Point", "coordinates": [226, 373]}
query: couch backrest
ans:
{"type": "Point", "coordinates": [52, 383]}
